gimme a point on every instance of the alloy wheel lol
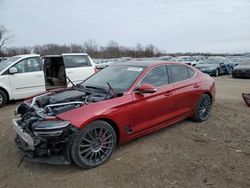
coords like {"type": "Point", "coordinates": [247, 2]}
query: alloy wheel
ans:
{"type": "Point", "coordinates": [204, 108]}
{"type": "Point", "coordinates": [96, 145]}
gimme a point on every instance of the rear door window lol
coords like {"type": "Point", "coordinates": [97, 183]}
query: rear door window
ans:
{"type": "Point", "coordinates": [72, 61]}
{"type": "Point", "coordinates": [178, 73]}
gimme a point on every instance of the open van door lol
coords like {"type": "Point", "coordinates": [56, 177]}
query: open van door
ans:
{"type": "Point", "coordinates": [54, 72]}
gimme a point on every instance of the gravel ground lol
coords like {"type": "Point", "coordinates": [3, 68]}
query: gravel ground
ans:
{"type": "Point", "coordinates": [215, 153]}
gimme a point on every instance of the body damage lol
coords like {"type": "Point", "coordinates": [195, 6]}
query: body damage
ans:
{"type": "Point", "coordinates": [44, 119]}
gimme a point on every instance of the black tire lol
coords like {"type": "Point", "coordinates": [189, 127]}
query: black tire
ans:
{"type": "Point", "coordinates": [3, 98]}
{"type": "Point", "coordinates": [94, 145]}
{"type": "Point", "coordinates": [203, 108]}
{"type": "Point", "coordinates": [217, 73]}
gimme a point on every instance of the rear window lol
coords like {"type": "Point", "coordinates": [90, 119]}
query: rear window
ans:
{"type": "Point", "coordinates": [72, 61]}
{"type": "Point", "coordinates": [178, 73]}
{"type": "Point", "coordinates": [191, 72]}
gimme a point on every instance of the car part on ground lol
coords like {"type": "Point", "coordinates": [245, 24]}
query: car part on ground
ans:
{"type": "Point", "coordinates": [246, 97]}
{"type": "Point", "coordinates": [122, 102]}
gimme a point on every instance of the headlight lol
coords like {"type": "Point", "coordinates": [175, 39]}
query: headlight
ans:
{"type": "Point", "coordinates": [49, 128]}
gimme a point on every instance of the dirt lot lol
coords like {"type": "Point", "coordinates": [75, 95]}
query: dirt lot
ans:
{"type": "Point", "coordinates": [215, 153]}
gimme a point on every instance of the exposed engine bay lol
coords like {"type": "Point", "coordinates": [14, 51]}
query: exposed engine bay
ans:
{"type": "Point", "coordinates": [51, 104]}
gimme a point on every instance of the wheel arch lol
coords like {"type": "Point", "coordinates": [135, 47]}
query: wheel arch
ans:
{"type": "Point", "coordinates": [114, 125]}
{"type": "Point", "coordinates": [209, 94]}
{"type": "Point", "coordinates": [6, 92]}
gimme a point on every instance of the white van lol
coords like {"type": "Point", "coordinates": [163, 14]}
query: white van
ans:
{"type": "Point", "coordinates": [22, 76]}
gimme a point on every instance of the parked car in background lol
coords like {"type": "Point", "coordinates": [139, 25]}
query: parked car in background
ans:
{"type": "Point", "coordinates": [22, 76]}
{"type": "Point", "coordinates": [101, 63]}
{"type": "Point", "coordinates": [84, 123]}
{"type": "Point", "coordinates": [3, 59]}
{"type": "Point", "coordinates": [241, 71]}
{"type": "Point", "coordinates": [215, 66]}
{"type": "Point", "coordinates": [165, 58]}
{"type": "Point", "coordinates": [79, 66]}
{"type": "Point", "coordinates": [190, 60]}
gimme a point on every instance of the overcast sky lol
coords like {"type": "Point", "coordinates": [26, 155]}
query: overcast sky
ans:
{"type": "Point", "coordinates": [171, 25]}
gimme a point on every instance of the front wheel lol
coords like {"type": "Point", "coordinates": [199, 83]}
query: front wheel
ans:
{"type": "Point", "coordinates": [3, 98]}
{"type": "Point", "coordinates": [94, 145]}
{"type": "Point", "coordinates": [217, 72]}
{"type": "Point", "coordinates": [203, 108]}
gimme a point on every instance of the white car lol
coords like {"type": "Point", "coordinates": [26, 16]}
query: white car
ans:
{"type": "Point", "coordinates": [190, 60]}
{"type": "Point", "coordinates": [22, 76]}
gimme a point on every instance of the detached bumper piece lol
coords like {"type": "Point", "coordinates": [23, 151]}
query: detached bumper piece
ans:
{"type": "Point", "coordinates": [50, 150]}
{"type": "Point", "coordinates": [246, 98]}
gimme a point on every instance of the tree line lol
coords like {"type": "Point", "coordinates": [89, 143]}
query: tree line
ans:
{"type": "Point", "coordinates": [111, 50]}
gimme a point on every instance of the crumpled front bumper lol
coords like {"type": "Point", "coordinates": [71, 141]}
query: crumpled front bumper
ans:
{"type": "Point", "coordinates": [36, 149]}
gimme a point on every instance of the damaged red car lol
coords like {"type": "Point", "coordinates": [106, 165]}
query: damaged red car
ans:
{"type": "Point", "coordinates": [84, 123]}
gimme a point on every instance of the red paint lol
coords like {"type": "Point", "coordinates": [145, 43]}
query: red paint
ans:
{"type": "Point", "coordinates": [148, 112]}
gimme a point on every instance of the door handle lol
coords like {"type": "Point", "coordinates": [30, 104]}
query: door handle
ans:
{"type": "Point", "coordinates": [197, 85]}
{"type": "Point", "coordinates": [39, 76]}
{"type": "Point", "coordinates": [69, 72]}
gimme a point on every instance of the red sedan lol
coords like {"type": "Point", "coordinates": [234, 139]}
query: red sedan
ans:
{"type": "Point", "coordinates": [122, 102]}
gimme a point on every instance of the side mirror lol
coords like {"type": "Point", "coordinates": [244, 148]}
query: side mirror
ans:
{"type": "Point", "coordinates": [13, 70]}
{"type": "Point", "coordinates": [145, 88]}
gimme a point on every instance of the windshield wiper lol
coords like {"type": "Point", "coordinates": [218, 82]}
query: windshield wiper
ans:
{"type": "Point", "coordinates": [111, 89]}
{"type": "Point", "coordinates": [97, 88]}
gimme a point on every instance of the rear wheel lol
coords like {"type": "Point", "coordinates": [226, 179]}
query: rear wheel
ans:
{"type": "Point", "coordinates": [94, 145]}
{"type": "Point", "coordinates": [3, 98]}
{"type": "Point", "coordinates": [203, 108]}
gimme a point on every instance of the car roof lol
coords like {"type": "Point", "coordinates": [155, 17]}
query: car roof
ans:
{"type": "Point", "coordinates": [217, 57]}
{"type": "Point", "coordinates": [145, 63]}
{"type": "Point", "coordinates": [65, 54]}
{"type": "Point", "coordinates": [51, 56]}
{"type": "Point", "coordinates": [74, 54]}
{"type": "Point", "coordinates": [28, 55]}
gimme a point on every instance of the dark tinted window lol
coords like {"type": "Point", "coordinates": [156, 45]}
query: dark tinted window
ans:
{"type": "Point", "coordinates": [191, 72]}
{"type": "Point", "coordinates": [72, 61]}
{"type": "Point", "coordinates": [178, 73]}
{"type": "Point", "coordinates": [157, 77]}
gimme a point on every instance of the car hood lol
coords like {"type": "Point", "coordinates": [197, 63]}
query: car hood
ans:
{"type": "Point", "coordinates": [201, 65]}
{"type": "Point", "coordinates": [241, 67]}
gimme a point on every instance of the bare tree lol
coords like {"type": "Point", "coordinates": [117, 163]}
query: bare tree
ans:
{"type": "Point", "coordinates": [4, 36]}
{"type": "Point", "coordinates": [91, 47]}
